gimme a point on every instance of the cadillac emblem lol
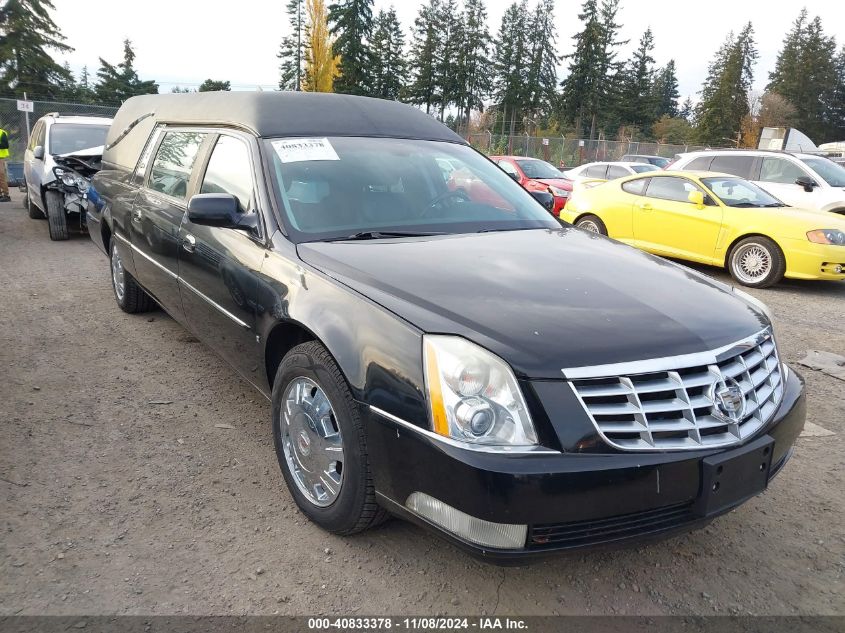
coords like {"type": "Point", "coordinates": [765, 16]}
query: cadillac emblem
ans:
{"type": "Point", "coordinates": [728, 400]}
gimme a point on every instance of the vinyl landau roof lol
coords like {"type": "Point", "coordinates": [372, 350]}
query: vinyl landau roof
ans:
{"type": "Point", "coordinates": [269, 114]}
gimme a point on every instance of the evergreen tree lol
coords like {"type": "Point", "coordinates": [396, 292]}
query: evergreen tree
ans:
{"type": "Point", "coordinates": [806, 75]}
{"type": "Point", "coordinates": [724, 97]}
{"type": "Point", "coordinates": [118, 83]}
{"type": "Point", "coordinates": [511, 64]}
{"type": "Point", "coordinates": [474, 68]}
{"type": "Point", "coordinates": [211, 85]}
{"type": "Point", "coordinates": [446, 66]}
{"type": "Point", "coordinates": [425, 44]}
{"type": "Point", "coordinates": [84, 88]}
{"type": "Point", "coordinates": [27, 32]}
{"type": "Point", "coordinates": [686, 111]}
{"type": "Point", "coordinates": [388, 47]}
{"type": "Point", "coordinates": [636, 105]}
{"type": "Point", "coordinates": [837, 108]}
{"type": "Point", "coordinates": [352, 25]}
{"type": "Point", "coordinates": [292, 51]}
{"type": "Point", "coordinates": [665, 93]}
{"type": "Point", "coordinates": [66, 88]}
{"type": "Point", "coordinates": [542, 71]}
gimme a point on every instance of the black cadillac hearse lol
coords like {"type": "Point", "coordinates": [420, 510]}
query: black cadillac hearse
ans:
{"type": "Point", "coordinates": [449, 354]}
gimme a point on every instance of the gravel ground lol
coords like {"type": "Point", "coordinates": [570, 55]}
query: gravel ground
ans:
{"type": "Point", "coordinates": [113, 504]}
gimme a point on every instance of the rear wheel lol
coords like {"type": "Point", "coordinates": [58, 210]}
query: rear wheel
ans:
{"type": "Point", "coordinates": [129, 295]}
{"type": "Point", "coordinates": [320, 443]}
{"type": "Point", "coordinates": [56, 217]}
{"type": "Point", "coordinates": [592, 223]}
{"type": "Point", "coordinates": [757, 262]}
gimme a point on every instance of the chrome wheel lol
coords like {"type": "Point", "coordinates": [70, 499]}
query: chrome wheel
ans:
{"type": "Point", "coordinates": [311, 441]}
{"type": "Point", "coordinates": [752, 263]}
{"type": "Point", "coordinates": [117, 275]}
{"type": "Point", "coordinates": [589, 225]}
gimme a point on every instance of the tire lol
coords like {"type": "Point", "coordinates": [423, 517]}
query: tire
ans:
{"type": "Point", "coordinates": [342, 507]}
{"type": "Point", "coordinates": [129, 295]}
{"type": "Point", "coordinates": [56, 218]}
{"type": "Point", "coordinates": [592, 223]}
{"type": "Point", "coordinates": [756, 262]}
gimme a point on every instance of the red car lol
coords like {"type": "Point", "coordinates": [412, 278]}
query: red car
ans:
{"type": "Point", "coordinates": [537, 175]}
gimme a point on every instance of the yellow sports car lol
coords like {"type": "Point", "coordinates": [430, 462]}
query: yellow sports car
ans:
{"type": "Point", "coordinates": [714, 219]}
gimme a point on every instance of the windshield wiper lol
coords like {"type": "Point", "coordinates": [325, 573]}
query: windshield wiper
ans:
{"type": "Point", "coordinates": [379, 235]}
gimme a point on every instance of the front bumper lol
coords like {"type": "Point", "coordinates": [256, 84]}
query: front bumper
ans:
{"type": "Point", "coordinates": [567, 500]}
{"type": "Point", "coordinates": [806, 260]}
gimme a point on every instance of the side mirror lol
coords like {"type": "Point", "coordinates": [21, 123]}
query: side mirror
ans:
{"type": "Point", "coordinates": [697, 198]}
{"type": "Point", "coordinates": [808, 183]}
{"type": "Point", "coordinates": [512, 175]}
{"type": "Point", "coordinates": [544, 198]}
{"type": "Point", "coordinates": [38, 152]}
{"type": "Point", "coordinates": [214, 209]}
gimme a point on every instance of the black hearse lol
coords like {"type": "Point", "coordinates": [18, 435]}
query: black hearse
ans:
{"type": "Point", "coordinates": [476, 367]}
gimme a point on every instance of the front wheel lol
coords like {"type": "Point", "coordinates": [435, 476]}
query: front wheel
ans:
{"type": "Point", "coordinates": [56, 218]}
{"type": "Point", "coordinates": [593, 224]}
{"type": "Point", "coordinates": [757, 262]}
{"type": "Point", "coordinates": [320, 443]}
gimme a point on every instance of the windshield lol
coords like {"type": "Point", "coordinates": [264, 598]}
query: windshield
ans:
{"type": "Point", "coordinates": [72, 137]}
{"type": "Point", "coordinates": [643, 168]}
{"type": "Point", "coordinates": [833, 174]}
{"type": "Point", "coordinates": [332, 188]}
{"type": "Point", "coordinates": [538, 169]}
{"type": "Point", "coordinates": [736, 192]}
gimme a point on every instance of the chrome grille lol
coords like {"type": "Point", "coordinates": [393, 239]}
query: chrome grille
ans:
{"type": "Point", "coordinates": [685, 402]}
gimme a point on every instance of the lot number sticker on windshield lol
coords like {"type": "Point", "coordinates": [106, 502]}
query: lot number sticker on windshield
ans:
{"type": "Point", "coordinates": [297, 150]}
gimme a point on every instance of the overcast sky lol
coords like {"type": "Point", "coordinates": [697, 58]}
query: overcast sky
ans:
{"type": "Point", "coordinates": [183, 43]}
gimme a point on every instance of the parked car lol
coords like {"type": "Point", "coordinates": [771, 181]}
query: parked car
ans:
{"type": "Point", "coordinates": [608, 171]}
{"type": "Point", "coordinates": [808, 181]}
{"type": "Point", "coordinates": [410, 342]}
{"type": "Point", "coordinates": [715, 219]}
{"type": "Point", "coordinates": [537, 175]}
{"type": "Point", "coordinates": [63, 153]}
{"type": "Point", "coordinates": [657, 161]}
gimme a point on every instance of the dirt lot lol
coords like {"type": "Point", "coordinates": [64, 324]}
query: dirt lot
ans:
{"type": "Point", "coordinates": [110, 503]}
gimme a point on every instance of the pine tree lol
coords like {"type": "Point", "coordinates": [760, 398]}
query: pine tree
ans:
{"type": "Point", "coordinates": [292, 51]}
{"type": "Point", "coordinates": [665, 93]}
{"type": "Point", "coordinates": [27, 32]}
{"type": "Point", "coordinates": [806, 75]}
{"type": "Point", "coordinates": [542, 70]}
{"type": "Point", "coordinates": [636, 105]}
{"type": "Point", "coordinates": [388, 48]}
{"type": "Point", "coordinates": [511, 64]}
{"type": "Point", "coordinates": [85, 91]}
{"type": "Point", "coordinates": [474, 67]}
{"type": "Point", "coordinates": [446, 66]}
{"type": "Point", "coordinates": [837, 107]}
{"type": "Point", "coordinates": [352, 25]}
{"type": "Point", "coordinates": [321, 64]}
{"type": "Point", "coordinates": [118, 83]}
{"type": "Point", "coordinates": [724, 97]}
{"type": "Point", "coordinates": [212, 85]}
{"type": "Point", "coordinates": [425, 43]}
{"type": "Point", "coordinates": [686, 110]}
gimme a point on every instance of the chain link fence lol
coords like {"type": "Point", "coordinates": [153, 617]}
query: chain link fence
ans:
{"type": "Point", "coordinates": [571, 152]}
{"type": "Point", "coordinates": [14, 121]}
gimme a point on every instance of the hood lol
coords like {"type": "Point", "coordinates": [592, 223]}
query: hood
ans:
{"type": "Point", "coordinates": [84, 153]}
{"type": "Point", "coordinates": [561, 183]}
{"type": "Point", "coordinates": [543, 299]}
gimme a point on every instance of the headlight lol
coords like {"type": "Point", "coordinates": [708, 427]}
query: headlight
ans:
{"type": "Point", "coordinates": [473, 395]}
{"type": "Point", "coordinates": [827, 236]}
{"type": "Point", "coordinates": [560, 193]}
{"type": "Point", "coordinates": [71, 179]}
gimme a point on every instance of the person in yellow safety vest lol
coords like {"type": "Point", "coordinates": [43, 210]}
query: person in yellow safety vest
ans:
{"type": "Point", "coordinates": [4, 154]}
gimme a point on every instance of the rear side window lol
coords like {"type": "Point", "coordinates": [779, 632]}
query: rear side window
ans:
{"type": "Point", "coordinates": [636, 187]}
{"type": "Point", "coordinates": [596, 171]}
{"type": "Point", "coordinates": [670, 188]}
{"type": "Point", "coordinates": [615, 171]}
{"type": "Point", "coordinates": [229, 171]}
{"type": "Point", "coordinates": [702, 163]}
{"type": "Point", "coordinates": [171, 169]}
{"type": "Point", "coordinates": [780, 170]}
{"type": "Point", "coordinates": [739, 166]}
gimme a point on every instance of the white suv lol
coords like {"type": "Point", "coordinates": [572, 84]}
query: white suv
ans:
{"type": "Point", "coordinates": [800, 180]}
{"type": "Point", "coordinates": [55, 136]}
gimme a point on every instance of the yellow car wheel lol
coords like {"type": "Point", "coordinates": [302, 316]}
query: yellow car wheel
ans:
{"type": "Point", "coordinates": [757, 262]}
{"type": "Point", "coordinates": [592, 223]}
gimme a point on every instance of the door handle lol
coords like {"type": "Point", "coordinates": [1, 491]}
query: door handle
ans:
{"type": "Point", "coordinates": [136, 215]}
{"type": "Point", "coordinates": [189, 243]}
{"type": "Point", "coordinates": [645, 206]}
